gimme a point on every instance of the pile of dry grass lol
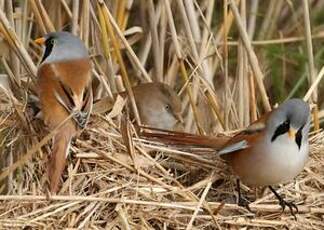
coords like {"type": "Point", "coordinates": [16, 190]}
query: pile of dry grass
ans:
{"type": "Point", "coordinates": [156, 186]}
{"type": "Point", "coordinates": [161, 187]}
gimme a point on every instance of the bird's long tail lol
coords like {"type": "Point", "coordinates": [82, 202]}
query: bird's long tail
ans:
{"type": "Point", "coordinates": [56, 164]}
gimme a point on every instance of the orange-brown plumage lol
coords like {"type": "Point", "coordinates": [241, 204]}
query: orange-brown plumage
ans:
{"type": "Point", "coordinates": [64, 88]}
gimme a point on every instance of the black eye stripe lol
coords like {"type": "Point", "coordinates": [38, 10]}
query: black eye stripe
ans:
{"type": "Point", "coordinates": [282, 129]}
{"type": "Point", "coordinates": [49, 44]}
{"type": "Point", "coordinates": [299, 136]}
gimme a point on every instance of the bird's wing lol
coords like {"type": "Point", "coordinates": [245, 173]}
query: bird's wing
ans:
{"type": "Point", "coordinates": [240, 145]}
{"type": "Point", "coordinates": [244, 139]}
{"type": "Point", "coordinates": [84, 114]}
{"type": "Point", "coordinates": [66, 99]}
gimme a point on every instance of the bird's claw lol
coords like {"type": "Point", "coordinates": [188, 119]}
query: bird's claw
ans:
{"type": "Point", "coordinates": [290, 205]}
{"type": "Point", "coordinates": [244, 203]}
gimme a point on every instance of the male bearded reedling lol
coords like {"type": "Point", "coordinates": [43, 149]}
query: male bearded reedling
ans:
{"type": "Point", "coordinates": [64, 87]}
{"type": "Point", "coordinates": [158, 106]}
{"type": "Point", "coordinates": [272, 150]}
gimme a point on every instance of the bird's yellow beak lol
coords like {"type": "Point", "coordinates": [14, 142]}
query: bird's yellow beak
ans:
{"type": "Point", "coordinates": [292, 133]}
{"type": "Point", "coordinates": [40, 41]}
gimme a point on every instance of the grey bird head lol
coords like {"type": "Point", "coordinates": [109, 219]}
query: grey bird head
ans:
{"type": "Point", "coordinates": [62, 46]}
{"type": "Point", "coordinates": [293, 118]}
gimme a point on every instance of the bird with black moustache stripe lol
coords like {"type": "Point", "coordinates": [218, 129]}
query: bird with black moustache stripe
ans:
{"type": "Point", "coordinates": [272, 150]}
{"type": "Point", "coordinates": [64, 89]}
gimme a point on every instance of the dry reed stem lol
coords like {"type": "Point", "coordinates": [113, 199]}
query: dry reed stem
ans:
{"type": "Point", "coordinates": [122, 66]}
{"type": "Point", "coordinates": [182, 65]}
{"type": "Point", "coordinates": [121, 6]}
{"type": "Point", "coordinates": [225, 59]}
{"type": "Point", "coordinates": [202, 198]}
{"type": "Point", "coordinates": [314, 84]}
{"type": "Point", "coordinates": [176, 205]}
{"type": "Point", "coordinates": [125, 43]}
{"type": "Point", "coordinates": [251, 55]}
{"type": "Point", "coordinates": [31, 151]}
{"type": "Point", "coordinates": [311, 65]}
{"type": "Point", "coordinates": [14, 42]}
{"type": "Point", "coordinates": [38, 17]}
{"type": "Point", "coordinates": [158, 71]}
{"type": "Point", "coordinates": [45, 17]}
{"type": "Point", "coordinates": [285, 40]}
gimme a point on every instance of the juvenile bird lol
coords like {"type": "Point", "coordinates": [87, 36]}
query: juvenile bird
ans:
{"type": "Point", "coordinates": [63, 84]}
{"type": "Point", "coordinates": [272, 150]}
{"type": "Point", "coordinates": [158, 106]}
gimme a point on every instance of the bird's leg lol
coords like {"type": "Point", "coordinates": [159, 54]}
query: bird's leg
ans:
{"type": "Point", "coordinates": [284, 203]}
{"type": "Point", "coordinates": [241, 200]}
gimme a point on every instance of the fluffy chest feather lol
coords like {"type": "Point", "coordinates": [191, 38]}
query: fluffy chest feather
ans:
{"type": "Point", "coordinates": [268, 163]}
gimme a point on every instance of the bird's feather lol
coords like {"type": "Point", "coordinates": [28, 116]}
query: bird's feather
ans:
{"type": "Point", "coordinates": [80, 115]}
{"type": "Point", "coordinates": [234, 147]}
{"type": "Point", "coordinates": [241, 140]}
{"type": "Point", "coordinates": [56, 164]}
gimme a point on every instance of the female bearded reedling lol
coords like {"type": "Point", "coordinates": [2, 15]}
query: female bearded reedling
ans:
{"type": "Point", "coordinates": [158, 106]}
{"type": "Point", "coordinates": [272, 150]}
{"type": "Point", "coordinates": [64, 87]}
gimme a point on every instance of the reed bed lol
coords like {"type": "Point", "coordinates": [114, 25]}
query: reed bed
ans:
{"type": "Point", "coordinates": [230, 61]}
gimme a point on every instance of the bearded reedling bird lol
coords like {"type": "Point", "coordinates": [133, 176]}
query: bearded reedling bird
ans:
{"type": "Point", "coordinates": [272, 150]}
{"type": "Point", "coordinates": [64, 88]}
{"type": "Point", "coordinates": [158, 106]}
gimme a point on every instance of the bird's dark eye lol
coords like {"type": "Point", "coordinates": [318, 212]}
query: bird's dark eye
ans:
{"type": "Point", "coordinates": [167, 107]}
{"type": "Point", "coordinates": [50, 41]}
{"type": "Point", "coordinates": [281, 129]}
